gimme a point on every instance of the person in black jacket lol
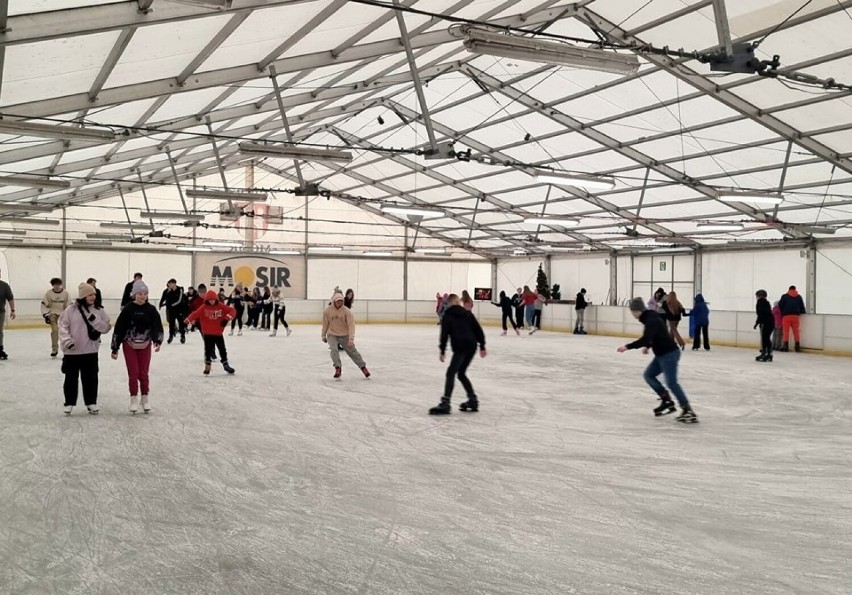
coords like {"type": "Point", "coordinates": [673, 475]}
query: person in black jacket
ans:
{"type": "Point", "coordinates": [518, 303]}
{"type": "Point", "coordinates": [666, 356]}
{"type": "Point", "coordinates": [580, 306]}
{"type": "Point", "coordinates": [507, 306]}
{"type": "Point", "coordinates": [792, 306]}
{"type": "Point", "coordinates": [462, 329]}
{"type": "Point", "coordinates": [766, 322]}
{"type": "Point", "coordinates": [126, 297]}
{"type": "Point", "coordinates": [99, 299]}
{"type": "Point", "coordinates": [174, 299]}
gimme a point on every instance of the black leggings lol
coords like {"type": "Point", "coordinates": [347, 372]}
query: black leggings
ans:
{"type": "Point", "coordinates": [84, 367]}
{"type": "Point", "coordinates": [458, 367]}
{"type": "Point", "coordinates": [238, 319]}
{"type": "Point", "coordinates": [279, 315]}
{"type": "Point", "coordinates": [176, 321]}
{"type": "Point", "coordinates": [696, 337]}
{"type": "Point", "coordinates": [519, 316]}
{"type": "Point", "coordinates": [508, 316]}
{"type": "Point", "coordinates": [766, 337]}
{"type": "Point", "coordinates": [211, 343]}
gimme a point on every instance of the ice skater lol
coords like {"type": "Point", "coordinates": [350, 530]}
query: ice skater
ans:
{"type": "Point", "coordinates": [792, 306]}
{"type": "Point", "coordinates": [174, 299]}
{"type": "Point", "coordinates": [126, 298]}
{"type": "Point", "coordinates": [338, 328]}
{"type": "Point", "coordinates": [506, 307]}
{"type": "Point", "coordinates": [462, 328]}
{"type": "Point", "coordinates": [55, 302]}
{"type": "Point", "coordinates": [278, 315]}
{"type": "Point", "coordinates": [580, 305]}
{"type": "Point", "coordinates": [766, 322]}
{"type": "Point", "coordinates": [6, 295]}
{"type": "Point", "coordinates": [699, 317]}
{"type": "Point", "coordinates": [80, 328]}
{"type": "Point", "coordinates": [213, 317]}
{"type": "Point", "coordinates": [666, 357]}
{"type": "Point", "coordinates": [137, 329]}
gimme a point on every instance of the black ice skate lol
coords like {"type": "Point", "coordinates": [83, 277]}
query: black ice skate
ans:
{"type": "Point", "coordinates": [471, 405]}
{"type": "Point", "coordinates": [228, 368]}
{"type": "Point", "coordinates": [688, 416]}
{"type": "Point", "coordinates": [3, 354]}
{"type": "Point", "coordinates": [365, 371]}
{"type": "Point", "coordinates": [666, 405]}
{"type": "Point", "coordinates": [443, 408]}
{"type": "Point", "coordinates": [206, 367]}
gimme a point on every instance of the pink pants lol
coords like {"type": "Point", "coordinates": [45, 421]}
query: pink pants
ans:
{"type": "Point", "coordinates": [138, 362]}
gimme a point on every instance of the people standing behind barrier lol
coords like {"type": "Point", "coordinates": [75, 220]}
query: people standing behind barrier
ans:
{"type": "Point", "coordinates": [792, 306]}
{"type": "Point", "coordinates": [466, 301]}
{"type": "Point", "coordinates": [674, 312]}
{"type": "Point", "coordinates": [580, 306]}
{"type": "Point", "coordinates": [52, 306]}
{"type": "Point", "coordinates": [505, 305]}
{"type": "Point", "coordinates": [540, 303]}
{"type": "Point", "coordinates": [529, 298]}
{"type": "Point", "coordinates": [700, 319]}
{"type": "Point", "coordinates": [235, 300]}
{"type": "Point", "coordinates": [174, 299]}
{"type": "Point", "coordinates": [443, 307]}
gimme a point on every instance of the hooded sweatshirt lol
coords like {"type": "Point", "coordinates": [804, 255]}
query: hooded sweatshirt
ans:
{"type": "Point", "coordinates": [338, 322]}
{"type": "Point", "coordinates": [54, 302]}
{"type": "Point", "coordinates": [138, 325]}
{"type": "Point", "coordinates": [73, 331]}
{"type": "Point", "coordinates": [700, 312]}
{"type": "Point", "coordinates": [656, 335]}
{"type": "Point", "coordinates": [213, 318]}
{"type": "Point", "coordinates": [462, 329]}
{"type": "Point", "coordinates": [792, 304]}
{"type": "Point", "coordinates": [505, 304]}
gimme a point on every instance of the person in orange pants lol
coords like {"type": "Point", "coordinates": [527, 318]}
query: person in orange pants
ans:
{"type": "Point", "coordinates": [792, 306]}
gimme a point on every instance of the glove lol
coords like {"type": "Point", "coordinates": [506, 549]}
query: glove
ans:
{"type": "Point", "coordinates": [46, 318]}
{"type": "Point", "coordinates": [756, 325]}
{"type": "Point", "coordinates": [225, 322]}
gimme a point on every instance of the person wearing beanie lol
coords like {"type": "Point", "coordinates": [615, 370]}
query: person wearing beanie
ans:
{"type": "Point", "coordinates": [792, 306]}
{"type": "Point", "coordinates": [766, 322]}
{"type": "Point", "coordinates": [52, 306]}
{"type": "Point", "coordinates": [213, 317]}
{"type": "Point", "coordinates": [462, 329]}
{"type": "Point", "coordinates": [656, 337]}
{"type": "Point", "coordinates": [338, 328]}
{"type": "Point", "coordinates": [138, 327]}
{"type": "Point", "coordinates": [174, 299]}
{"type": "Point", "coordinates": [699, 320]}
{"type": "Point", "coordinates": [580, 306]}
{"type": "Point", "coordinates": [127, 295]}
{"type": "Point", "coordinates": [81, 325]}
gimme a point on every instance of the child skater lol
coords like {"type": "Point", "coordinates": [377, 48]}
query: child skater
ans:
{"type": "Point", "coordinates": [213, 317]}
{"type": "Point", "coordinates": [338, 328]}
{"type": "Point", "coordinates": [766, 322]}
{"type": "Point", "coordinates": [463, 330]}
{"type": "Point", "coordinates": [666, 357]}
{"type": "Point", "coordinates": [507, 307]}
{"type": "Point", "coordinates": [138, 327]}
{"type": "Point", "coordinates": [280, 310]}
{"type": "Point", "coordinates": [776, 334]}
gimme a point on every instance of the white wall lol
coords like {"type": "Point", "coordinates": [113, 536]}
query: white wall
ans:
{"type": "Point", "coordinates": [370, 279]}
{"type": "Point", "coordinates": [427, 278]}
{"type": "Point", "coordinates": [516, 272]}
{"type": "Point", "coordinates": [672, 272]}
{"type": "Point", "coordinates": [834, 280]}
{"type": "Point", "coordinates": [28, 272]}
{"type": "Point", "coordinates": [731, 278]}
{"type": "Point", "coordinates": [572, 274]}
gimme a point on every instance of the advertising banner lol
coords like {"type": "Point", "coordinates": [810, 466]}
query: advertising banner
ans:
{"type": "Point", "coordinates": [252, 270]}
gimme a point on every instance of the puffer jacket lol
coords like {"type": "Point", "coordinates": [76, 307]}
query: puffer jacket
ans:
{"type": "Point", "coordinates": [73, 332]}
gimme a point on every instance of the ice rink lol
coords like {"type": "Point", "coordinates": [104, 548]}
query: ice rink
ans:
{"type": "Point", "coordinates": [281, 480]}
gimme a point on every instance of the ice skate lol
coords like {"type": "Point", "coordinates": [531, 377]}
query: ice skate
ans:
{"type": "Point", "coordinates": [471, 405]}
{"type": "Point", "coordinates": [53, 353]}
{"type": "Point", "coordinates": [442, 408]}
{"type": "Point", "coordinates": [67, 409]}
{"type": "Point", "coordinates": [761, 357]}
{"type": "Point", "coordinates": [289, 331]}
{"type": "Point", "coordinates": [798, 347]}
{"type": "Point", "coordinates": [518, 332]}
{"type": "Point", "coordinates": [231, 334]}
{"type": "Point", "coordinates": [337, 372]}
{"type": "Point", "coordinates": [228, 368]}
{"type": "Point", "coordinates": [240, 333]}
{"type": "Point", "coordinates": [365, 372]}
{"type": "Point", "coordinates": [170, 339]}
{"type": "Point", "coordinates": [785, 347]}
{"type": "Point", "coordinates": [688, 416]}
{"type": "Point", "coordinates": [503, 334]}
{"type": "Point", "coordinates": [134, 404]}
{"type": "Point", "coordinates": [3, 354]}
{"type": "Point", "coordinates": [273, 334]}
{"type": "Point", "coordinates": [93, 409]}
{"type": "Point", "coordinates": [182, 339]}
{"type": "Point", "coordinates": [213, 358]}
{"type": "Point", "coordinates": [666, 405]}
{"type": "Point", "coordinates": [146, 406]}
{"type": "Point", "coordinates": [206, 367]}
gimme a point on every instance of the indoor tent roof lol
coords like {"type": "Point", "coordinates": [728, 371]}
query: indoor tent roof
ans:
{"type": "Point", "coordinates": [163, 74]}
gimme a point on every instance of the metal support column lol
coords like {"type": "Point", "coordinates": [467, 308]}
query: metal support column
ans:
{"type": "Point", "coordinates": [698, 273]}
{"type": "Point", "coordinates": [144, 196]}
{"type": "Point", "coordinates": [723, 28]}
{"type": "Point", "coordinates": [126, 212]}
{"type": "Point", "coordinates": [810, 282]}
{"type": "Point", "coordinates": [177, 181]}
{"type": "Point", "coordinates": [613, 279]}
{"type": "Point", "coordinates": [405, 269]}
{"type": "Point", "coordinates": [64, 264]}
{"type": "Point", "coordinates": [494, 275]}
{"type": "Point", "coordinates": [306, 247]}
{"type": "Point", "coordinates": [415, 77]}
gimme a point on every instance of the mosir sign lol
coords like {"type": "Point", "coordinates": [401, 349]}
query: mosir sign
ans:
{"type": "Point", "coordinates": [252, 270]}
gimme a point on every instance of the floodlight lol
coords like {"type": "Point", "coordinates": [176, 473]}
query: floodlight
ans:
{"type": "Point", "coordinates": [111, 225]}
{"type": "Point", "coordinates": [294, 152]}
{"type": "Point", "coordinates": [33, 182]}
{"type": "Point", "coordinates": [223, 244]}
{"type": "Point", "coordinates": [194, 249]}
{"type": "Point", "coordinates": [11, 241]}
{"type": "Point", "coordinates": [52, 131]}
{"type": "Point", "coordinates": [91, 243]}
{"type": "Point", "coordinates": [172, 215]}
{"type": "Point", "coordinates": [757, 198]}
{"type": "Point", "coordinates": [227, 195]}
{"type": "Point", "coordinates": [11, 207]}
{"type": "Point", "coordinates": [431, 251]}
{"type": "Point", "coordinates": [720, 226]}
{"type": "Point", "coordinates": [13, 232]}
{"type": "Point", "coordinates": [397, 210]}
{"type": "Point", "coordinates": [492, 43]}
{"type": "Point", "coordinates": [30, 221]}
{"type": "Point", "coordinates": [220, 4]}
{"type": "Point", "coordinates": [117, 237]}
{"type": "Point", "coordinates": [578, 180]}
{"type": "Point", "coordinates": [377, 253]}
{"type": "Point", "coordinates": [557, 221]}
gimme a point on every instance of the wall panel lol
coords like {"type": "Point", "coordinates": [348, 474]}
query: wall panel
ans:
{"type": "Point", "coordinates": [731, 278]}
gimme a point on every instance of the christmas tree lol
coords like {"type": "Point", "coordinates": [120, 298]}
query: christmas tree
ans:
{"type": "Point", "coordinates": [541, 284]}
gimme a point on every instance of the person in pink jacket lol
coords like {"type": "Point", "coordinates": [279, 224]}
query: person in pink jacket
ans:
{"type": "Point", "coordinates": [81, 325]}
{"type": "Point", "coordinates": [776, 334]}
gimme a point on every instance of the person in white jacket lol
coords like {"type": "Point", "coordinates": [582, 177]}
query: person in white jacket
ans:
{"type": "Point", "coordinates": [80, 328]}
{"type": "Point", "coordinates": [280, 310]}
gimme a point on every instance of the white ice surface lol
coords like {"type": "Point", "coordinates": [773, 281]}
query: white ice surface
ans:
{"type": "Point", "coordinates": [281, 480]}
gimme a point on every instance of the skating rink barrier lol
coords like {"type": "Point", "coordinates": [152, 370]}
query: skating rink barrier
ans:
{"type": "Point", "coordinates": [831, 334]}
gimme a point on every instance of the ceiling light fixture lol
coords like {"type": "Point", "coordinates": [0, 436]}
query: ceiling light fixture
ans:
{"type": "Point", "coordinates": [377, 253]}
{"type": "Point", "coordinates": [172, 215]}
{"type": "Point", "coordinates": [228, 195]}
{"type": "Point", "coordinates": [556, 221]}
{"type": "Point", "coordinates": [220, 4]}
{"type": "Point", "coordinates": [431, 251]}
{"type": "Point", "coordinates": [111, 225]}
{"type": "Point", "coordinates": [52, 131]}
{"type": "Point", "coordinates": [419, 212]}
{"type": "Point", "coordinates": [117, 237]}
{"type": "Point", "coordinates": [194, 249]}
{"type": "Point", "coordinates": [577, 180]}
{"type": "Point", "coordinates": [222, 244]}
{"type": "Point", "coordinates": [33, 182]}
{"type": "Point", "coordinates": [756, 198]}
{"type": "Point", "coordinates": [13, 232]}
{"type": "Point", "coordinates": [30, 221]}
{"type": "Point", "coordinates": [286, 252]}
{"type": "Point", "coordinates": [492, 43]}
{"type": "Point", "coordinates": [13, 207]}
{"type": "Point", "coordinates": [325, 249]}
{"type": "Point", "coordinates": [294, 152]}
{"type": "Point", "coordinates": [720, 226]}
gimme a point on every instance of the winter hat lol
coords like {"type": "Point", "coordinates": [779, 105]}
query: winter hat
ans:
{"type": "Point", "coordinates": [211, 296]}
{"type": "Point", "coordinates": [637, 305]}
{"type": "Point", "coordinates": [138, 287]}
{"type": "Point", "coordinates": [337, 297]}
{"type": "Point", "coordinates": [85, 290]}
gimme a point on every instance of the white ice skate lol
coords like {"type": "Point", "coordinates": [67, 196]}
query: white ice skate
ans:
{"type": "Point", "coordinates": [273, 334]}
{"type": "Point", "coordinates": [67, 409]}
{"type": "Point", "coordinates": [240, 333]}
{"type": "Point", "coordinates": [146, 407]}
{"type": "Point", "coordinates": [93, 409]}
{"type": "Point", "coordinates": [134, 404]}
{"type": "Point", "coordinates": [289, 331]}
{"type": "Point", "coordinates": [231, 334]}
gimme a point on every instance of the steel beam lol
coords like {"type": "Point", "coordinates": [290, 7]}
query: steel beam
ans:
{"type": "Point", "coordinates": [723, 28]}
{"type": "Point", "coordinates": [302, 32]}
{"type": "Point", "coordinates": [110, 63]}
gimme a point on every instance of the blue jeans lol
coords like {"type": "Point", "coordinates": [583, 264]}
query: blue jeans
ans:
{"type": "Point", "coordinates": [529, 314]}
{"type": "Point", "coordinates": [666, 365]}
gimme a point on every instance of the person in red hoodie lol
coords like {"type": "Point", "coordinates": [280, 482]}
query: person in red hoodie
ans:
{"type": "Point", "coordinates": [792, 306]}
{"type": "Point", "coordinates": [213, 317]}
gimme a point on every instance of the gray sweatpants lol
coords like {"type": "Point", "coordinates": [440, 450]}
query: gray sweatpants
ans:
{"type": "Point", "coordinates": [334, 341]}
